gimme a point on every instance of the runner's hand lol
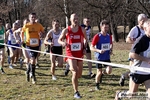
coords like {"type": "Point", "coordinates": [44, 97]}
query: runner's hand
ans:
{"type": "Point", "coordinates": [101, 51]}
{"type": "Point", "coordinates": [18, 41]}
{"type": "Point", "coordinates": [64, 44]}
{"type": "Point", "coordinates": [51, 44]}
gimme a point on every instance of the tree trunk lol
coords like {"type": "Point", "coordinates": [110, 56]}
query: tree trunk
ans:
{"type": "Point", "coordinates": [10, 19]}
{"type": "Point", "coordinates": [114, 32]}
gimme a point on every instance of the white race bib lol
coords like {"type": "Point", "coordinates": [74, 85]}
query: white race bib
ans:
{"type": "Point", "coordinates": [105, 46]}
{"type": "Point", "coordinates": [13, 41]}
{"type": "Point", "coordinates": [1, 37]}
{"type": "Point", "coordinates": [75, 46]}
{"type": "Point", "coordinates": [34, 41]}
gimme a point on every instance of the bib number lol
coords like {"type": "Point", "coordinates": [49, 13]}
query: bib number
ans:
{"type": "Point", "coordinates": [13, 41]}
{"type": "Point", "coordinates": [105, 46]}
{"type": "Point", "coordinates": [34, 41]}
{"type": "Point", "coordinates": [75, 46]}
{"type": "Point", "coordinates": [1, 37]}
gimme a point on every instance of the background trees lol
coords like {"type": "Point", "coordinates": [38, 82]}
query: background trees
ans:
{"type": "Point", "coordinates": [118, 12]}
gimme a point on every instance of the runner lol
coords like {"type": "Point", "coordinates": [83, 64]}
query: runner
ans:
{"type": "Point", "coordinates": [25, 53]}
{"type": "Point", "coordinates": [86, 25]}
{"type": "Point", "coordinates": [135, 33]}
{"type": "Point", "coordinates": [140, 52]}
{"type": "Point", "coordinates": [2, 47]}
{"type": "Point", "coordinates": [17, 35]}
{"type": "Point", "coordinates": [12, 41]}
{"type": "Point", "coordinates": [74, 35]}
{"type": "Point", "coordinates": [56, 48]}
{"type": "Point", "coordinates": [8, 27]}
{"type": "Point", "coordinates": [32, 30]}
{"type": "Point", "coordinates": [41, 42]}
{"type": "Point", "coordinates": [102, 46]}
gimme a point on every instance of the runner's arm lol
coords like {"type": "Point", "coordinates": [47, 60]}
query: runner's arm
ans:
{"type": "Point", "coordinates": [62, 37]}
{"type": "Point", "coordinates": [85, 37]}
{"type": "Point", "coordinates": [131, 36]}
{"type": "Point", "coordinates": [111, 45]}
{"type": "Point", "coordinates": [5, 40]}
{"type": "Point", "coordinates": [22, 36]}
{"type": "Point", "coordinates": [6, 36]}
{"type": "Point", "coordinates": [42, 33]}
{"type": "Point", "coordinates": [94, 42]}
{"type": "Point", "coordinates": [15, 36]}
{"type": "Point", "coordinates": [48, 36]}
{"type": "Point", "coordinates": [138, 57]}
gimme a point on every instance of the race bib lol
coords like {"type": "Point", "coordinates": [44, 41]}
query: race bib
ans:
{"type": "Point", "coordinates": [75, 46]}
{"type": "Point", "coordinates": [1, 37]}
{"type": "Point", "coordinates": [13, 41]}
{"type": "Point", "coordinates": [34, 41]}
{"type": "Point", "coordinates": [105, 46]}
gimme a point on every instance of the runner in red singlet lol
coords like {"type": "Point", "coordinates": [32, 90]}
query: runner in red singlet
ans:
{"type": "Point", "coordinates": [74, 35]}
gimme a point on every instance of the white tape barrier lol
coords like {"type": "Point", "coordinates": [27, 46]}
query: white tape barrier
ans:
{"type": "Point", "coordinates": [93, 61]}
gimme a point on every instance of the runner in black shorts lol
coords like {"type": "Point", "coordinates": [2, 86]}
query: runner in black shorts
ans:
{"type": "Point", "coordinates": [32, 40]}
{"type": "Point", "coordinates": [140, 52]}
{"type": "Point", "coordinates": [86, 25]}
{"type": "Point", "coordinates": [102, 46]}
{"type": "Point", "coordinates": [56, 48]}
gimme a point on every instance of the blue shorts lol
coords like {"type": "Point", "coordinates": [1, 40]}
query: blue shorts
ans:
{"type": "Point", "coordinates": [9, 43]}
{"type": "Point", "coordinates": [16, 45]}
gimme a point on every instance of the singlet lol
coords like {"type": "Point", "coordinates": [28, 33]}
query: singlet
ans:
{"type": "Point", "coordinates": [55, 38]}
{"type": "Point", "coordinates": [2, 35]}
{"type": "Point", "coordinates": [17, 34]}
{"type": "Point", "coordinates": [11, 38]}
{"type": "Point", "coordinates": [75, 43]}
{"type": "Point", "coordinates": [102, 43]}
{"type": "Point", "coordinates": [134, 32]}
{"type": "Point", "coordinates": [32, 34]}
{"type": "Point", "coordinates": [88, 30]}
{"type": "Point", "coordinates": [141, 47]}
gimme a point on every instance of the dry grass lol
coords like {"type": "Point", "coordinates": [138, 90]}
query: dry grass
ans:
{"type": "Point", "coordinates": [14, 87]}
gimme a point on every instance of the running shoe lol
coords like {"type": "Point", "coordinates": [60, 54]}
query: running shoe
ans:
{"type": "Point", "coordinates": [77, 95]}
{"type": "Point", "coordinates": [2, 71]}
{"type": "Point", "coordinates": [33, 80]}
{"type": "Point", "coordinates": [11, 67]}
{"type": "Point", "coordinates": [66, 72]}
{"type": "Point", "coordinates": [117, 95]}
{"type": "Point", "coordinates": [15, 65]}
{"type": "Point", "coordinates": [37, 65]}
{"type": "Point", "coordinates": [54, 77]}
{"type": "Point", "coordinates": [97, 86]}
{"type": "Point", "coordinates": [122, 79]}
{"type": "Point", "coordinates": [92, 75]}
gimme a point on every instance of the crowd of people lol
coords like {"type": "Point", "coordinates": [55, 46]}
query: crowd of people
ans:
{"type": "Point", "coordinates": [75, 39]}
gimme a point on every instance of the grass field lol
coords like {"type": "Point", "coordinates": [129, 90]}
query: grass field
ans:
{"type": "Point", "coordinates": [14, 87]}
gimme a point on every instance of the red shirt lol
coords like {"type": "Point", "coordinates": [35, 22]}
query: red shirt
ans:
{"type": "Point", "coordinates": [75, 43]}
{"type": "Point", "coordinates": [96, 39]}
